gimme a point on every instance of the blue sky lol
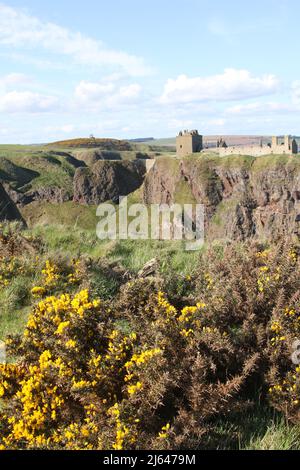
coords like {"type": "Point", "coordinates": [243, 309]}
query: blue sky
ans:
{"type": "Point", "coordinates": [134, 68]}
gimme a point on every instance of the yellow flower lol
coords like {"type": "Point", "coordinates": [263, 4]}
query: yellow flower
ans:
{"type": "Point", "coordinates": [186, 333]}
{"type": "Point", "coordinates": [132, 389]}
{"type": "Point", "coordinates": [61, 327]}
{"type": "Point", "coordinates": [45, 359]}
{"type": "Point", "coordinates": [71, 344]}
{"type": "Point", "coordinates": [38, 291]}
{"type": "Point", "coordinates": [81, 384]}
{"type": "Point", "coordinates": [164, 431]}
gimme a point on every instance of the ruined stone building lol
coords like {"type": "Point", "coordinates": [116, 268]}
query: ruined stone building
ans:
{"type": "Point", "coordinates": [188, 142]}
{"type": "Point", "coordinates": [221, 143]}
{"type": "Point", "coordinates": [288, 146]}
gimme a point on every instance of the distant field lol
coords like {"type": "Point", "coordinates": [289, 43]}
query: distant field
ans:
{"type": "Point", "coordinates": [167, 142]}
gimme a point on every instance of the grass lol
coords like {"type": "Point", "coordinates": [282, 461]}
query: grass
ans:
{"type": "Point", "coordinates": [67, 215]}
{"type": "Point", "coordinates": [223, 213]}
{"type": "Point", "coordinates": [71, 241]}
{"type": "Point", "coordinates": [17, 175]}
{"type": "Point", "coordinates": [169, 142]}
{"type": "Point", "coordinates": [132, 254]}
{"type": "Point", "coordinates": [15, 303]}
{"type": "Point", "coordinates": [278, 436]}
{"type": "Point", "coordinates": [30, 170]}
{"type": "Point", "coordinates": [261, 428]}
{"type": "Point", "coordinates": [274, 161]}
{"type": "Point", "coordinates": [183, 193]}
{"type": "Point", "coordinates": [107, 144]}
{"type": "Point", "coordinates": [10, 323]}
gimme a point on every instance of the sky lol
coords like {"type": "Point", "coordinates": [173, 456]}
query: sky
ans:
{"type": "Point", "coordinates": [141, 68]}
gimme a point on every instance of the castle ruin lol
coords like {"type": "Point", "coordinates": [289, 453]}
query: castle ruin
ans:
{"type": "Point", "coordinates": [188, 142]}
{"type": "Point", "coordinates": [288, 146]}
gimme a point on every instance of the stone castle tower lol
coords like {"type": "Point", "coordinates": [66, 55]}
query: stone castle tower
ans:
{"type": "Point", "coordinates": [188, 142]}
{"type": "Point", "coordinates": [289, 145]}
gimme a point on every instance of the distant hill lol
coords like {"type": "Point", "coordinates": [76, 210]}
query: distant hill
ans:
{"type": "Point", "coordinates": [142, 139]}
{"type": "Point", "coordinates": [104, 144]}
{"type": "Point", "coordinates": [164, 142]}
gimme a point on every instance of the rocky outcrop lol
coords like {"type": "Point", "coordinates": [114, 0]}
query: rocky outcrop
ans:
{"type": "Point", "coordinates": [106, 181]}
{"type": "Point", "coordinates": [50, 194]}
{"type": "Point", "coordinates": [243, 197]}
{"type": "Point", "coordinates": [8, 209]}
{"type": "Point", "coordinates": [90, 156]}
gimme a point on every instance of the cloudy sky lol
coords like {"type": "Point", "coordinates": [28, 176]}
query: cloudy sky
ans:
{"type": "Point", "coordinates": [140, 68]}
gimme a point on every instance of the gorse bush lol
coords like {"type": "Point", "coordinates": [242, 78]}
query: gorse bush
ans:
{"type": "Point", "coordinates": [153, 366]}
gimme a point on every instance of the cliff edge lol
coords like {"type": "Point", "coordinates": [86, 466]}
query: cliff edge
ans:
{"type": "Point", "coordinates": [243, 196]}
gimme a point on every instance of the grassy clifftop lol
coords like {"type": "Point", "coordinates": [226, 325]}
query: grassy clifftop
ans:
{"type": "Point", "coordinates": [106, 144]}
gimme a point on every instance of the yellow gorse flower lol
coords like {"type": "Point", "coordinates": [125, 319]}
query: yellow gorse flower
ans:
{"type": "Point", "coordinates": [164, 431]}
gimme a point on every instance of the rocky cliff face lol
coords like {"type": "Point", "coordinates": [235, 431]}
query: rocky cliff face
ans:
{"type": "Point", "coordinates": [243, 196]}
{"type": "Point", "coordinates": [91, 156]}
{"type": "Point", "coordinates": [8, 209]}
{"type": "Point", "coordinates": [107, 180]}
{"type": "Point", "coordinates": [53, 195]}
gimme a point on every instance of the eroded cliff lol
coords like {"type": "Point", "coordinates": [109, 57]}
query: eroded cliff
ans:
{"type": "Point", "coordinates": [107, 180]}
{"type": "Point", "coordinates": [243, 196]}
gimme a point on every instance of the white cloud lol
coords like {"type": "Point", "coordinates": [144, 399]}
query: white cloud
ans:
{"type": "Point", "coordinates": [176, 124]}
{"type": "Point", "coordinates": [218, 122]}
{"type": "Point", "coordinates": [64, 128]}
{"type": "Point", "coordinates": [130, 91]}
{"type": "Point", "coordinates": [90, 91]}
{"type": "Point", "coordinates": [296, 91]}
{"type": "Point", "coordinates": [232, 85]}
{"type": "Point", "coordinates": [261, 108]}
{"type": "Point", "coordinates": [101, 94]}
{"type": "Point", "coordinates": [14, 79]}
{"type": "Point", "coordinates": [27, 102]}
{"type": "Point", "coordinates": [18, 29]}
{"type": "Point", "coordinates": [39, 63]}
{"type": "Point", "coordinates": [67, 128]}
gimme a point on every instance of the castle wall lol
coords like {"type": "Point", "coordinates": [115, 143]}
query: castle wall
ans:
{"type": "Point", "coordinates": [253, 150]}
{"type": "Point", "coordinates": [288, 147]}
{"type": "Point", "coordinates": [184, 145]}
{"type": "Point", "coordinates": [188, 143]}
